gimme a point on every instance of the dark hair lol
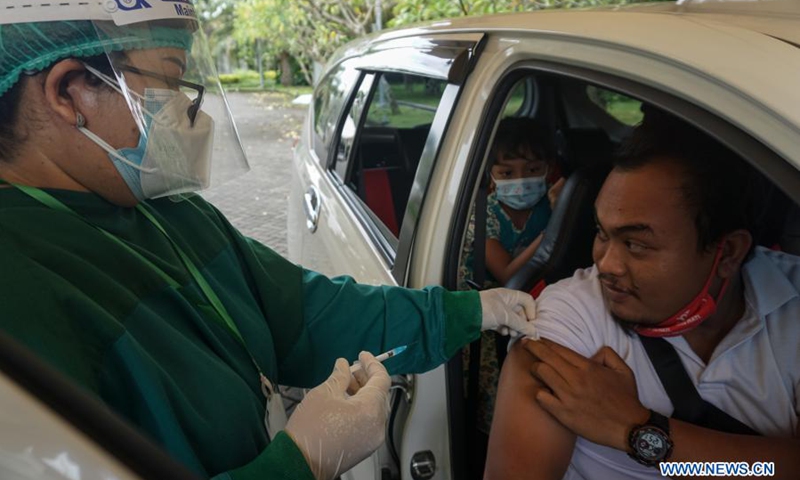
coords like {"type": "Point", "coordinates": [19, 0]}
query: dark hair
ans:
{"type": "Point", "coordinates": [520, 135]}
{"type": "Point", "coordinates": [9, 111]}
{"type": "Point", "coordinates": [719, 186]}
{"type": "Point", "coordinates": [10, 103]}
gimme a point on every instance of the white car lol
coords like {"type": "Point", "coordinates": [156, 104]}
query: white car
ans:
{"type": "Point", "coordinates": [51, 429]}
{"type": "Point", "coordinates": [388, 166]}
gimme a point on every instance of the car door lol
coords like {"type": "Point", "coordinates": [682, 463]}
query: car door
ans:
{"type": "Point", "coordinates": [360, 184]}
{"type": "Point", "coordinates": [728, 104]}
{"type": "Point", "coordinates": [371, 140]}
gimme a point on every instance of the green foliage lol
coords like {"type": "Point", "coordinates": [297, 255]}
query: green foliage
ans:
{"type": "Point", "coordinates": [625, 109]}
{"type": "Point", "coordinates": [311, 30]}
{"type": "Point", "coordinates": [218, 17]}
{"type": "Point", "coordinates": [412, 11]}
{"type": "Point", "coordinates": [308, 30]}
{"type": "Point", "coordinates": [247, 77]}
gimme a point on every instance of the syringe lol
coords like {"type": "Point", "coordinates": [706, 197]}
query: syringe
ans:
{"type": "Point", "coordinates": [383, 356]}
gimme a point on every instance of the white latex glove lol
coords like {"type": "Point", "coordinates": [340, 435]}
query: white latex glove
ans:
{"type": "Point", "coordinates": [509, 312]}
{"type": "Point", "coordinates": [336, 431]}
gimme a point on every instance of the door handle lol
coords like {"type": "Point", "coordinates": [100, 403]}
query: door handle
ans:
{"type": "Point", "coordinates": [311, 205]}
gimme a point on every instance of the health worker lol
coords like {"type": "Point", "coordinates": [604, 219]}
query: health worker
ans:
{"type": "Point", "coordinates": [117, 274]}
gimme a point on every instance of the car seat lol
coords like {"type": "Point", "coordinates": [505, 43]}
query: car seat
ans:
{"type": "Point", "coordinates": [381, 174]}
{"type": "Point", "coordinates": [585, 156]}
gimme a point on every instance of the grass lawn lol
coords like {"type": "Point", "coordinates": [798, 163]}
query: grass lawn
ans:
{"type": "Point", "coordinates": [255, 87]}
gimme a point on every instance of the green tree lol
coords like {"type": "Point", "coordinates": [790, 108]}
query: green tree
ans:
{"type": "Point", "coordinates": [300, 33]}
{"type": "Point", "coordinates": [306, 30]}
{"type": "Point", "coordinates": [412, 11]}
{"type": "Point", "coordinates": [218, 20]}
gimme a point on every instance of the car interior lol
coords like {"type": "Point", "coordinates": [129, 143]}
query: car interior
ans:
{"type": "Point", "coordinates": [387, 159]}
{"type": "Point", "coordinates": [587, 123]}
{"type": "Point", "coordinates": [389, 144]}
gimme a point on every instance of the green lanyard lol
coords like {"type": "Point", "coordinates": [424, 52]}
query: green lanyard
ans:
{"type": "Point", "coordinates": [226, 320]}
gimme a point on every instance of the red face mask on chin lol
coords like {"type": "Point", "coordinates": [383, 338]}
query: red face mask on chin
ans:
{"type": "Point", "coordinates": [693, 314]}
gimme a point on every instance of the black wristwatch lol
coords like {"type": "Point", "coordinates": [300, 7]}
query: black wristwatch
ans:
{"type": "Point", "coordinates": [650, 443]}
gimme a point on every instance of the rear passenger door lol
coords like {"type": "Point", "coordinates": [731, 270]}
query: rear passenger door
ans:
{"type": "Point", "coordinates": [374, 167]}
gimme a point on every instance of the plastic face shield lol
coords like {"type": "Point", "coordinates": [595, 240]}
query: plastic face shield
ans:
{"type": "Point", "coordinates": [161, 65]}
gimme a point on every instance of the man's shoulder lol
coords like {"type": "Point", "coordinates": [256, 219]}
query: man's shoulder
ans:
{"type": "Point", "coordinates": [786, 263]}
{"type": "Point", "coordinates": [572, 312]}
{"type": "Point", "coordinates": [772, 280]}
{"type": "Point", "coordinates": [583, 286]}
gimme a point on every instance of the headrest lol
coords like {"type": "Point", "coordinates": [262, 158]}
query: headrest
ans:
{"type": "Point", "coordinates": [582, 147]}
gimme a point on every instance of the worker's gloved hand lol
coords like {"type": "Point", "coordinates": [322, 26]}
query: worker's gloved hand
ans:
{"type": "Point", "coordinates": [336, 431]}
{"type": "Point", "coordinates": [509, 312]}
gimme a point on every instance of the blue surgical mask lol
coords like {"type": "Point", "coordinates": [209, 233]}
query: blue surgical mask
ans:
{"type": "Point", "coordinates": [521, 193]}
{"type": "Point", "coordinates": [130, 170]}
{"type": "Point", "coordinates": [130, 174]}
{"type": "Point", "coordinates": [128, 161]}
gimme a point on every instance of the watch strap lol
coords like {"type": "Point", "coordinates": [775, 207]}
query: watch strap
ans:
{"type": "Point", "coordinates": [658, 420]}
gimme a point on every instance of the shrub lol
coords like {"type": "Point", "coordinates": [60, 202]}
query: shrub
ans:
{"type": "Point", "coordinates": [247, 77]}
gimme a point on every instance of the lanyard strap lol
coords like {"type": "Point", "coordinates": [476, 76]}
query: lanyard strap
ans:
{"type": "Point", "coordinates": [50, 201]}
{"type": "Point", "coordinates": [198, 277]}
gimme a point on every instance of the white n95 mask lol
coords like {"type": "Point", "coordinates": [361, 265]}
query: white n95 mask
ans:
{"type": "Point", "coordinates": [177, 155]}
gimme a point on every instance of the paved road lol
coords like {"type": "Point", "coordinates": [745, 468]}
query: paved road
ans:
{"type": "Point", "coordinates": [255, 203]}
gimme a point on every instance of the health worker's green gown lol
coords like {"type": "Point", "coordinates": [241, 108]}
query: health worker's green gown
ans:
{"type": "Point", "coordinates": [160, 356]}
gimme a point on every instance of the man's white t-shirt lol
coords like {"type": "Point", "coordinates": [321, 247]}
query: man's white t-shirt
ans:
{"type": "Point", "coordinates": [753, 374]}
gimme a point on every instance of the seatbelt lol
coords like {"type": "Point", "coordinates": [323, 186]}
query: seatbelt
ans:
{"type": "Point", "coordinates": [689, 405]}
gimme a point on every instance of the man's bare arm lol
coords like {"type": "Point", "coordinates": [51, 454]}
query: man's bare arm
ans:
{"type": "Point", "coordinates": [697, 444]}
{"type": "Point", "coordinates": [525, 441]}
{"type": "Point", "coordinates": [596, 399]}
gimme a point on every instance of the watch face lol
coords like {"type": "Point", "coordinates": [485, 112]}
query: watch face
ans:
{"type": "Point", "coordinates": [650, 444]}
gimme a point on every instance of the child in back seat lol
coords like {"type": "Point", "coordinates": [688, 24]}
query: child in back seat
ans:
{"type": "Point", "coordinates": [522, 190]}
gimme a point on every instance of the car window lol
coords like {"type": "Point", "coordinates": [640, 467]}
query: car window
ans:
{"type": "Point", "coordinates": [405, 101]}
{"type": "Point", "coordinates": [624, 109]}
{"type": "Point", "coordinates": [389, 144]}
{"type": "Point", "coordinates": [351, 120]}
{"type": "Point", "coordinates": [516, 99]}
{"type": "Point", "coordinates": [329, 99]}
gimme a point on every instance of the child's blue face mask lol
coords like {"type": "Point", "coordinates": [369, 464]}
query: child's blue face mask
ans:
{"type": "Point", "coordinates": [521, 193]}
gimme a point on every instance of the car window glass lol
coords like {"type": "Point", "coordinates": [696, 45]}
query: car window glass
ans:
{"type": "Point", "coordinates": [404, 101]}
{"type": "Point", "coordinates": [516, 99]}
{"type": "Point", "coordinates": [329, 98]}
{"type": "Point", "coordinates": [390, 143]}
{"type": "Point", "coordinates": [351, 121]}
{"type": "Point", "coordinates": [624, 109]}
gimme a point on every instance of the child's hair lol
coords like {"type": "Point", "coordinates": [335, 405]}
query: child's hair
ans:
{"type": "Point", "coordinates": [522, 136]}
